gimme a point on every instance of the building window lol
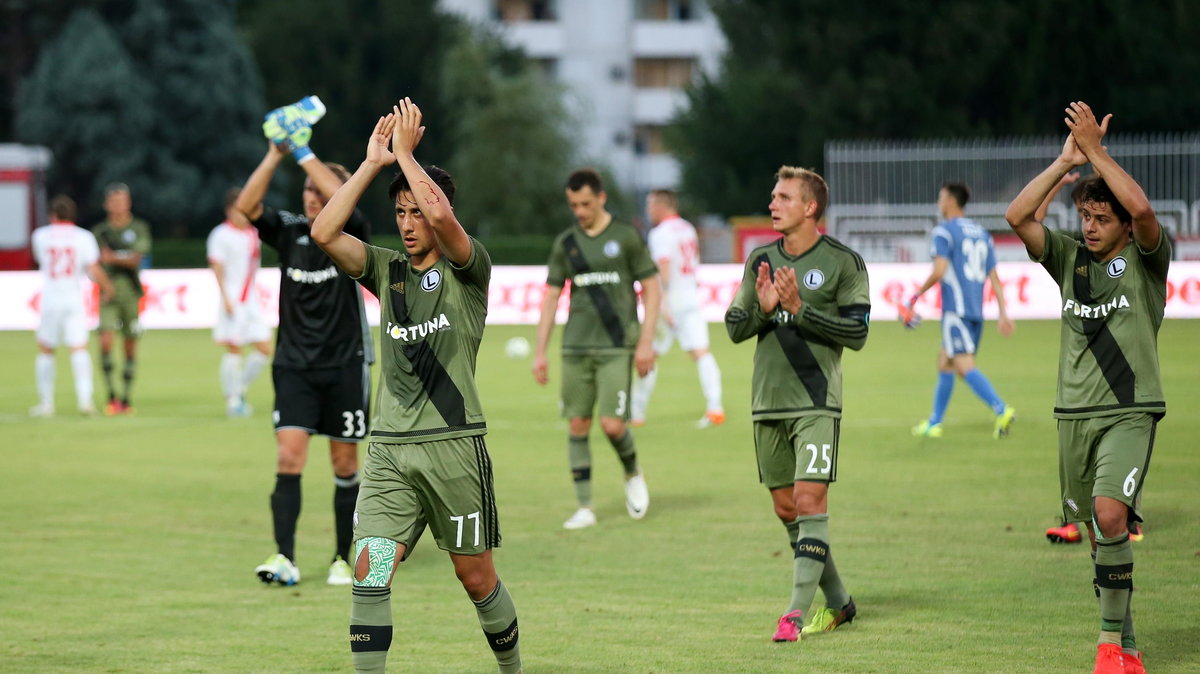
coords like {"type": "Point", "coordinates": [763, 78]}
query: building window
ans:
{"type": "Point", "coordinates": [648, 139]}
{"type": "Point", "coordinates": [666, 10]}
{"type": "Point", "coordinates": [546, 67]}
{"type": "Point", "coordinates": [509, 11]}
{"type": "Point", "coordinates": [663, 73]}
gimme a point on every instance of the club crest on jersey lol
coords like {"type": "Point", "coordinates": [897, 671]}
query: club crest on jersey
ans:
{"type": "Point", "coordinates": [813, 279]}
{"type": "Point", "coordinates": [431, 280]}
{"type": "Point", "coordinates": [303, 240]}
{"type": "Point", "coordinates": [129, 235]}
{"type": "Point", "coordinates": [1117, 267]}
{"type": "Point", "coordinates": [612, 249]}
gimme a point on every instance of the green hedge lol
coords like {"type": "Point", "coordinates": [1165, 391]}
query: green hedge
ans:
{"type": "Point", "coordinates": [527, 249]}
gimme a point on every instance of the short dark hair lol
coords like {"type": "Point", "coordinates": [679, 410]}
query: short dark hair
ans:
{"type": "Point", "coordinates": [1093, 189]}
{"type": "Point", "coordinates": [115, 187]}
{"type": "Point", "coordinates": [62, 208]}
{"type": "Point", "coordinates": [437, 174]}
{"type": "Point", "coordinates": [585, 177]}
{"type": "Point", "coordinates": [958, 191]}
{"type": "Point", "coordinates": [231, 196]}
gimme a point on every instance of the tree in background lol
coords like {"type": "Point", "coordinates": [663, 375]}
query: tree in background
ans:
{"type": "Point", "coordinates": [161, 96]}
{"type": "Point", "coordinates": [512, 137]}
{"type": "Point", "coordinates": [800, 72]}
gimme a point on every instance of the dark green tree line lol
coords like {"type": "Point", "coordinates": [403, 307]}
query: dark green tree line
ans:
{"type": "Point", "coordinates": [800, 72]}
{"type": "Point", "coordinates": [161, 96]}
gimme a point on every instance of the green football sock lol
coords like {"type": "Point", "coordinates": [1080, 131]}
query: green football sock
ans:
{"type": "Point", "coordinates": [580, 457]}
{"type": "Point", "coordinates": [627, 453]}
{"type": "Point", "coordinates": [793, 531]}
{"type": "Point", "coordinates": [811, 551]}
{"type": "Point", "coordinates": [1128, 641]}
{"type": "Point", "coordinates": [498, 618]}
{"type": "Point", "coordinates": [835, 593]}
{"type": "Point", "coordinates": [370, 627]}
{"type": "Point", "coordinates": [106, 365]}
{"type": "Point", "coordinates": [1114, 578]}
{"type": "Point", "coordinates": [127, 376]}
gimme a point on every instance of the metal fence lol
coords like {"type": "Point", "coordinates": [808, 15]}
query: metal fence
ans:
{"type": "Point", "coordinates": [883, 193]}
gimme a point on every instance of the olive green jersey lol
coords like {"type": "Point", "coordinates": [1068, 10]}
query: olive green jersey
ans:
{"type": "Point", "coordinates": [602, 269]}
{"type": "Point", "coordinates": [431, 322]}
{"type": "Point", "coordinates": [132, 238]}
{"type": "Point", "coordinates": [1111, 311]}
{"type": "Point", "coordinates": [798, 359]}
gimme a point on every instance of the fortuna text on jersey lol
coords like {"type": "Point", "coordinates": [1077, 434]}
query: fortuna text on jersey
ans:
{"type": "Point", "coordinates": [419, 331]}
{"type": "Point", "coordinates": [596, 278]}
{"type": "Point", "coordinates": [312, 277]}
{"type": "Point", "coordinates": [1098, 311]}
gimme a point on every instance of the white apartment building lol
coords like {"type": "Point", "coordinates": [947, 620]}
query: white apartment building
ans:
{"type": "Point", "coordinates": [623, 62]}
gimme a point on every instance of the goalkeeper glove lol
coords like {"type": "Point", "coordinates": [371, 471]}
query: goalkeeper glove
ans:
{"type": "Point", "coordinates": [909, 315]}
{"type": "Point", "coordinates": [290, 127]}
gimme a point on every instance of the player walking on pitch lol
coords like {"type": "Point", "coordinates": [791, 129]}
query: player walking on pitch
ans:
{"type": "Point", "coordinates": [234, 252]}
{"type": "Point", "coordinates": [602, 258]}
{"type": "Point", "coordinates": [65, 253]}
{"type": "Point", "coordinates": [124, 241]}
{"type": "Point", "coordinates": [804, 298]}
{"type": "Point", "coordinates": [427, 464]}
{"type": "Point", "coordinates": [675, 248]}
{"type": "Point", "coordinates": [322, 355]}
{"type": "Point", "coordinates": [1110, 397]}
{"type": "Point", "coordinates": [964, 257]}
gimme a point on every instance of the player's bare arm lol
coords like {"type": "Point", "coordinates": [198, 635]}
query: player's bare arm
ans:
{"type": "Point", "coordinates": [643, 354]}
{"type": "Point", "coordinates": [1088, 134]}
{"type": "Point", "coordinates": [940, 264]}
{"type": "Point", "coordinates": [1069, 179]}
{"type": "Point", "coordinates": [1005, 325]}
{"type": "Point", "coordinates": [219, 272]}
{"type": "Point", "coordinates": [451, 237]}
{"type": "Point", "coordinates": [250, 200]}
{"type": "Point", "coordinates": [1021, 212]}
{"type": "Point", "coordinates": [96, 272]}
{"type": "Point", "coordinates": [328, 230]}
{"type": "Point", "coordinates": [129, 259]}
{"type": "Point", "coordinates": [541, 366]}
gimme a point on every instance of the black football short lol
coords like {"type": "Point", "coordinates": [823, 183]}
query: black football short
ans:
{"type": "Point", "coordinates": [331, 401]}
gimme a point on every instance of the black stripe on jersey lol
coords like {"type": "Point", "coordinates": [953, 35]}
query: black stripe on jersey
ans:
{"type": "Point", "coordinates": [1100, 341]}
{"type": "Point", "coordinates": [491, 522]}
{"type": "Point", "coordinates": [837, 441]}
{"type": "Point", "coordinates": [804, 363]}
{"type": "Point", "coordinates": [846, 327]}
{"type": "Point", "coordinates": [795, 410]}
{"type": "Point", "coordinates": [438, 385]}
{"type": "Point", "coordinates": [479, 426]}
{"type": "Point", "coordinates": [859, 263]}
{"type": "Point", "coordinates": [608, 315]}
{"type": "Point", "coordinates": [435, 381]}
{"type": "Point", "coordinates": [1146, 466]}
{"type": "Point", "coordinates": [1151, 407]}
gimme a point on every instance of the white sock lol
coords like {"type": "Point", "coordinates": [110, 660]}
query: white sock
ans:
{"type": "Point", "coordinates": [43, 367]}
{"type": "Point", "coordinates": [231, 375]}
{"type": "Point", "coordinates": [710, 381]}
{"type": "Point", "coordinates": [639, 398]}
{"type": "Point", "coordinates": [81, 368]}
{"type": "Point", "coordinates": [255, 362]}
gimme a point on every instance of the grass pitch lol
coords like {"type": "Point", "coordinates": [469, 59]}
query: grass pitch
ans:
{"type": "Point", "coordinates": [129, 543]}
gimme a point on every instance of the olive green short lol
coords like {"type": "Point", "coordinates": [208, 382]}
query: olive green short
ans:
{"type": "Point", "coordinates": [798, 449]}
{"type": "Point", "coordinates": [121, 313]}
{"type": "Point", "coordinates": [445, 485]}
{"type": "Point", "coordinates": [1104, 456]}
{"type": "Point", "coordinates": [596, 385]}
